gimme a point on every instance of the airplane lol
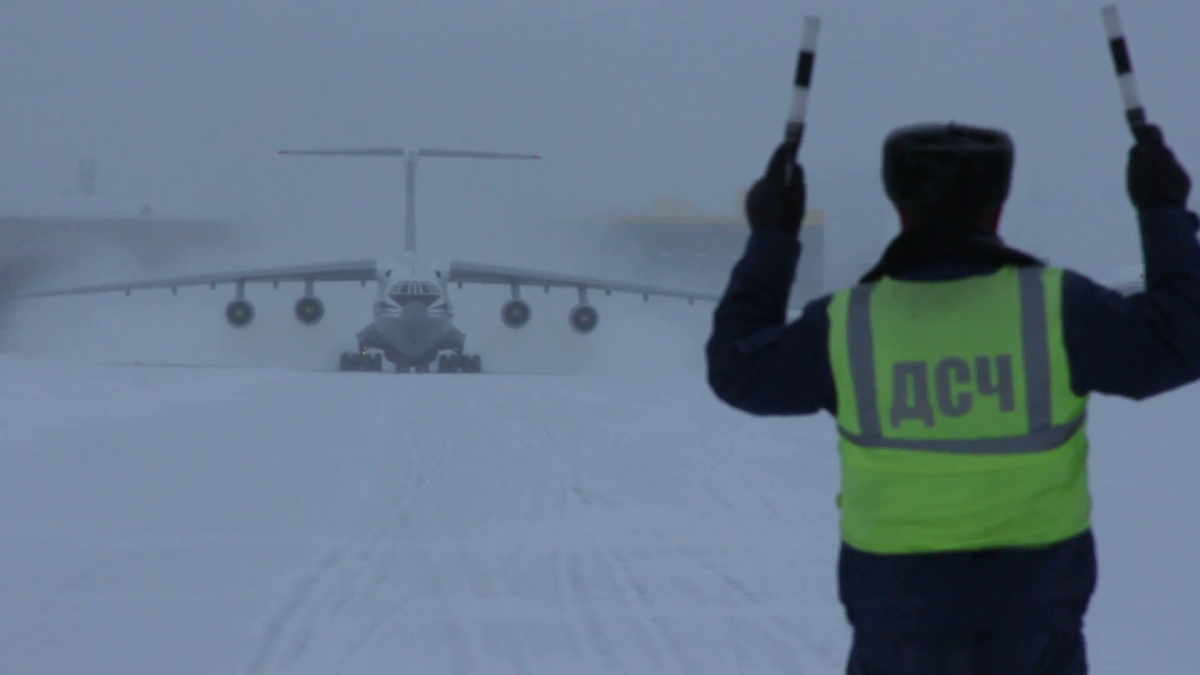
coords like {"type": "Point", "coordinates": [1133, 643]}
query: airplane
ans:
{"type": "Point", "coordinates": [413, 317]}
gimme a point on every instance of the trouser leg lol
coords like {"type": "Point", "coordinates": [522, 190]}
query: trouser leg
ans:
{"type": "Point", "coordinates": [1008, 654]}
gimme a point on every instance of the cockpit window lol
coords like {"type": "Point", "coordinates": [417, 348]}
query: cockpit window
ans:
{"type": "Point", "coordinates": [403, 293]}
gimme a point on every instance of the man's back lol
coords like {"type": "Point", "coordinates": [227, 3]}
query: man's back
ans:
{"type": "Point", "coordinates": [1135, 347]}
{"type": "Point", "coordinates": [994, 578]}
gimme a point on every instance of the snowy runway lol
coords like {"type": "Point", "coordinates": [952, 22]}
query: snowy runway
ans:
{"type": "Point", "coordinates": [266, 521]}
{"type": "Point", "coordinates": [257, 521]}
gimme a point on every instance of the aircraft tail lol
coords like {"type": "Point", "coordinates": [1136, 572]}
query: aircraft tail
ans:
{"type": "Point", "coordinates": [410, 173]}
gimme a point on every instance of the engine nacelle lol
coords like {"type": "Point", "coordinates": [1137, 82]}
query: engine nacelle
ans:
{"type": "Point", "coordinates": [583, 318]}
{"type": "Point", "coordinates": [309, 310]}
{"type": "Point", "coordinates": [239, 313]}
{"type": "Point", "coordinates": [515, 313]}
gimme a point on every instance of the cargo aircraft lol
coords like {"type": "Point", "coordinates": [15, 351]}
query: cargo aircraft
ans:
{"type": "Point", "coordinates": [413, 318]}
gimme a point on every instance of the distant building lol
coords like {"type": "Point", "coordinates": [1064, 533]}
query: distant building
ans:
{"type": "Point", "coordinates": [43, 235]}
{"type": "Point", "coordinates": [55, 231]}
{"type": "Point", "coordinates": [674, 242]}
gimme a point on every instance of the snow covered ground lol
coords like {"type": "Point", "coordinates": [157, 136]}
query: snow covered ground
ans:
{"type": "Point", "coordinates": [270, 520]}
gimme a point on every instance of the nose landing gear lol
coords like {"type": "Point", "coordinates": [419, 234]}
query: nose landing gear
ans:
{"type": "Point", "coordinates": [361, 361]}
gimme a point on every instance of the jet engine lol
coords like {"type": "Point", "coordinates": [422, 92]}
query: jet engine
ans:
{"type": "Point", "coordinates": [309, 310]}
{"type": "Point", "coordinates": [515, 313]}
{"type": "Point", "coordinates": [583, 318]}
{"type": "Point", "coordinates": [239, 313]}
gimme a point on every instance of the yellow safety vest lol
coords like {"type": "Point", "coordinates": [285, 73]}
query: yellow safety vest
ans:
{"type": "Point", "coordinates": [958, 426]}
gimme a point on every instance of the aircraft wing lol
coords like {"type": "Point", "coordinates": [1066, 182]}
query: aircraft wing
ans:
{"type": "Point", "coordinates": [350, 270]}
{"type": "Point", "coordinates": [480, 273]}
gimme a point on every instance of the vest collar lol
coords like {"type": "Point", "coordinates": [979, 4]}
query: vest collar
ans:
{"type": "Point", "coordinates": [913, 249]}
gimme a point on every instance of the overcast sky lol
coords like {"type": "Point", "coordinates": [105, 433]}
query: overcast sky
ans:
{"type": "Point", "coordinates": [627, 100]}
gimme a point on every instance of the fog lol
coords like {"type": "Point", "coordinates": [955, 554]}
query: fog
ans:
{"type": "Point", "coordinates": [626, 101]}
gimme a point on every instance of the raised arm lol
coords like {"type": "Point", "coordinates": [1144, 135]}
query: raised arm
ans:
{"type": "Point", "coordinates": [757, 362]}
{"type": "Point", "coordinates": [1148, 342]}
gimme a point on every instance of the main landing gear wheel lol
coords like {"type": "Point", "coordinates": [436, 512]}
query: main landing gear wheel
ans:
{"type": "Point", "coordinates": [361, 362]}
{"type": "Point", "coordinates": [460, 363]}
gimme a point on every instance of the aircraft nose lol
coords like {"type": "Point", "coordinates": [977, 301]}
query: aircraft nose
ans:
{"type": "Point", "coordinates": [413, 313]}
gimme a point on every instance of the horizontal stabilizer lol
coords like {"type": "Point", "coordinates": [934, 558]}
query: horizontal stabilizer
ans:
{"type": "Point", "coordinates": [435, 152]}
{"type": "Point", "coordinates": [410, 178]}
{"type": "Point", "coordinates": [353, 152]}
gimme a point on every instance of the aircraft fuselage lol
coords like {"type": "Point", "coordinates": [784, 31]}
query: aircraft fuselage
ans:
{"type": "Point", "coordinates": [414, 318]}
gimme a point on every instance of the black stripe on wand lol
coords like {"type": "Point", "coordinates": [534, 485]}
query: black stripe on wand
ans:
{"type": "Point", "coordinates": [1120, 56]}
{"type": "Point", "coordinates": [804, 69]}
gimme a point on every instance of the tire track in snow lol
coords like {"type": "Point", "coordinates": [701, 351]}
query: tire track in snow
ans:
{"type": "Point", "coordinates": [599, 642]}
{"type": "Point", "coordinates": [772, 648]}
{"type": "Point", "coordinates": [564, 590]}
{"type": "Point", "coordinates": [468, 623]}
{"type": "Point", "coordinates": [569, 602]}
{"type": "Point", "coordinates": [654, 626]}
{"type": "Point", "coordinates": [493, 637]}
{"type": "Point", "coordinates": [658, 641]}
{"type": "Point", "coordinates": [585, 567]}
{"type": "Point", "coordinates": [796, 636]}
{"type": "Point", "coordinates": [471, 630]}
{"type": "Point", "coordinates": [386, 552]}
{"type": "Point", "coordinates": [656, 646]}
{"type": "Point", "coordinates": [312, 588]}
{"type": "Point", "coordinates": [588, 635]}
{"type": "Point", "coordinates": [303, 594]}
{"type": "Point", "coordinates": [370, 637]}
{"type": "Point", "coordinates": [571, 570]}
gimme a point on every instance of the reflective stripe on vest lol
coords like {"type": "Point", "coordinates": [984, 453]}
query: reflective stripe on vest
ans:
{"type": "Point", "coordinates": [1042, 436]}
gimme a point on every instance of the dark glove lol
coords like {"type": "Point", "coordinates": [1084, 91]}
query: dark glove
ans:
{"type": "Point", "coordinates": [774, 202]}
{"type": "Point", "coordinates": [1153, 176]}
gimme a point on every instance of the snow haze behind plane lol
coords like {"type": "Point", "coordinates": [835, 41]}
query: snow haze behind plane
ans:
{"type": "Point", "coordinates": [413, 317]}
